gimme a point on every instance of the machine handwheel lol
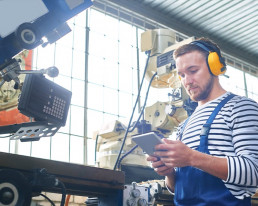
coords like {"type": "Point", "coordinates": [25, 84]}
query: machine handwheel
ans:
{"type": "Point", "coordinates": [14, 189]}
{"type": "Point", "coordinates": [28, 36]}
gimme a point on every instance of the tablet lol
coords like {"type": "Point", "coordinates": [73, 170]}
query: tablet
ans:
{"type": "Point", "coordinates": [147, 142]}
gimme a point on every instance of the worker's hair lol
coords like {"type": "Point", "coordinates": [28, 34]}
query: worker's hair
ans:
{"type": "Point", "coordinates": [187, 48]}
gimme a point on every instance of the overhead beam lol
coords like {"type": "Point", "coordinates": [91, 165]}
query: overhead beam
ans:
{"type": "Point", "coordinates": [230, 48]}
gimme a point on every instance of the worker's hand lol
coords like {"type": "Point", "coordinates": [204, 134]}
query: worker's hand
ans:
{"type": "Point", "coordinates": [174, 154]}
{"type": "Point", "coordinates": [159, 166]}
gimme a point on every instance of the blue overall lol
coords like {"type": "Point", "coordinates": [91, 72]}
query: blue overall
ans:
{"type": "Point", "coordinates": [196, 187]}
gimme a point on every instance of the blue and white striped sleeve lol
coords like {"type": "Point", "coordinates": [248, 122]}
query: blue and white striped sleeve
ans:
{"type": "Point", "coordinates": [243, 168]}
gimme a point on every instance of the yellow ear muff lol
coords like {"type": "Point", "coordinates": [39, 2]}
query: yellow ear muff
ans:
{"type": "Point", "coordinates": [216, 67]}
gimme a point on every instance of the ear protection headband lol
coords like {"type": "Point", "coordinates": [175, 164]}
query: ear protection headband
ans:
{"type": "Point", "coordinates": [215, 61]}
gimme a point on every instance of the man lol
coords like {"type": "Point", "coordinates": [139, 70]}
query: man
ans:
{"type": "Point", "coordinates": [215, 159]}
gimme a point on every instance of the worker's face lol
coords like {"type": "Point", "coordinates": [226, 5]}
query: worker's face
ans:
{"type": "Point", "coordinates": [195, 76]}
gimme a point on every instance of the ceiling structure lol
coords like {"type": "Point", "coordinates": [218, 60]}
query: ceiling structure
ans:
{"type": "Point", "coordinates": [232, 24]}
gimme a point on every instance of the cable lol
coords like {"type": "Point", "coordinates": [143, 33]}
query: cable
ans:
{"type": "Point", "coordinates": [138, 96]}
{"type": "Point", "coordinates": [145, 101]}
{"type": "Point", "coordinates": [63, 192]}
{"type": "Point", "coordinates": [41, 178]}
{"type": "Point", "coordinates": [51, 202]}
{"type": "Point", "coordinates": [96, 143]}
{"type": "Point", "coordinates": [67, 200]}
{"type": "Point", "coordinates": [131, 150]}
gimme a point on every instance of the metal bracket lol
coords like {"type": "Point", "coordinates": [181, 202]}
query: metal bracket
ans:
{"type": "Point", "coordinates": [33, 131]}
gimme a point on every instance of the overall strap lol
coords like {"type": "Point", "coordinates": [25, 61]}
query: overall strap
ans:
{"type": "Point", "coordinates": [206, 127]}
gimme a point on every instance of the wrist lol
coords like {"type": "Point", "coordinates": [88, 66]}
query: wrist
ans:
{"type": "Point", "coordinates": [169, 181]}
{"type": "Point", "coordinates": [171, 175]}
{"type": "Point", "coordinates": [194, 159]}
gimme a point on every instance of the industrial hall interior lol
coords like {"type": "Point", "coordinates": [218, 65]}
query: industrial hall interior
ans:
{"type": "Point", "coordinates": [128, 103]}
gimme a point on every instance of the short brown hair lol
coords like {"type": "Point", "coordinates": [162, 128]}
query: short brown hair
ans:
{"type": "Point", "coordinates": [187, 48]}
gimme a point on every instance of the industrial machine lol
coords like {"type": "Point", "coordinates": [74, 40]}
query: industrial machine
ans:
{"type": "Point", "coordinates": [147, 193]}
{"type": "Point", "coordinates": [35, 23]}
{"type": "Point", "coordinates": [24, 177]}
{"type": "Point", "coordinates": [161, 117]}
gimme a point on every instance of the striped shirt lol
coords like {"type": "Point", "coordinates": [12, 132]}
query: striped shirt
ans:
{"type": "Point", "coordinates": [234, 135]}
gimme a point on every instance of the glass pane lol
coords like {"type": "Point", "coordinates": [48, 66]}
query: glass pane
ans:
{"type": "Point", "coordinates": [96, 20]}
{"type": "Point", "coordinates": [253, 96]}
{"type": "Point", "coordinates": [126, 32]}
{"type": "Point", "coordinates": [124, 120]}
{"type": "Point", "coordinates": [107, 118]}
{"type": "Point", "coordinates": [77, 150]}
{"type": "Point", "coordinates": [67, 40]}
{"type": "Point", "coordinates": [78, 92]}
{"type": "Point", "coordinates": [110, 27]}
{"type": "Point", "coordinates": [96, 69]}
{"type": "Point", "coordinates": [60, 147]}
{"type": "Point", "coordinates": [133, 36]}
{"type": "Point", "coordinates": [135, 81]}
{"type": "Point", "coordinates": [125, 104]}
{"type": "Point", "coordinates": [251, 83]}
{"type": "Point", "coordinates": [77, 120]}
{"type": "Point", "coordinates": [41, 148]}
{"type": "Point", "coordinates": [95, 97]}
{"type": "Point", "coordinates": [24, 148]}
{"type": "Point", "coordinates": [110, 49]}
{"type": "Point", "coordinates": [96, 48]}
{"type": "Point", "coordinates": [78, 70]}
{"type": "Point", "coordinates": [12, 146]}
{"type": "Point", "coordinates": [63, 81]}
{"type": "Point", "coordinates": [44, 57]}
{"type": "Point", "coordinates": [63, 59]}
{"type": "Point", "coordinates": [125, 78]}
{"type": "Point", "coordinates": [234, 82]}
{"type": "Point", "coordinates": [80, 19]}
{"type": "Point", "coordinates": [79, 38]}
{"type": "Point", "coordinates": [110, 101]}
{"type": "Point", "coordinates": [4, 143]}
{"type": "Point", "coordinates": [136, 113]}
{"type": "Point", "coordinates": [134, 58]}
{"type": "Point", "coordinates": [94, 122]}
{"type": "Point", "coordinates": [156, 94]}
{"type": "Point", "coordinates": [91, 151]}
{"type": "Point", "coordinates": [142, 62]}
{"type": "Point", "coordinates": [110, 74]}
{"type": "Point", "coordinates": [125, 54]}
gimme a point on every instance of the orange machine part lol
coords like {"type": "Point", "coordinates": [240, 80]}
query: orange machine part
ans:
{"type": "Point", "coordinates": [13, 116]}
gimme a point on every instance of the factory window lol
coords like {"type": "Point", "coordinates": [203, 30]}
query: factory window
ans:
{"type": "Point", "coordinates": [233, 81]}
{"type": "Point", "coordinates": [104, 91]}
{"type": "Point", "coordinates": [252, 89]}
{"type": "Point", "coordinates": [240, 82]}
